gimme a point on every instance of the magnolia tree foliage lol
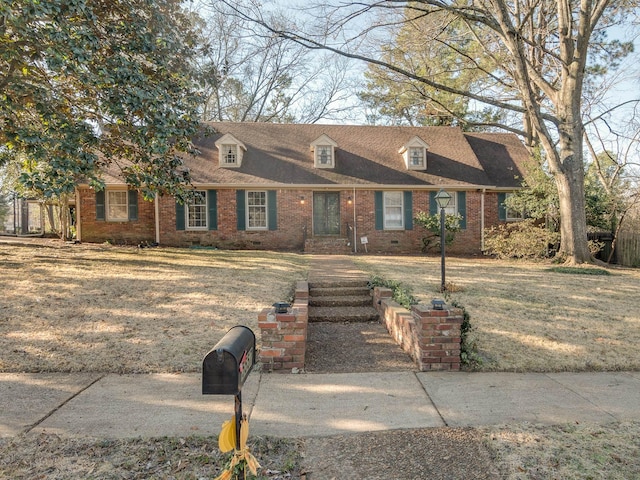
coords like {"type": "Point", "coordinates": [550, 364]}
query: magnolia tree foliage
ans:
{"type": "Point", "coordinates": [91, 84]}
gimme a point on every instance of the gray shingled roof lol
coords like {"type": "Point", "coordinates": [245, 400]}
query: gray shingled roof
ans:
{"type": "Point", "coordinates": [280, 154]}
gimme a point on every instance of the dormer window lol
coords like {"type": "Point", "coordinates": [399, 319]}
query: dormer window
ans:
{"type": "Point", "coordinates": [324, 155]}
{"type": "Point", "coordinates": [230, 154]}
{"type": "Point", "coordinates": [414, 153]}
{"type": "Point", "coordinates": [324, 149]}
{"type": "Point", "coordinates": [416, 157]}
{"type": "Point", "coordinates": [230, 151]}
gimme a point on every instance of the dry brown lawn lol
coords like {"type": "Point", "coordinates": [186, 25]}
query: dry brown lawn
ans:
{"type": "Point", "coordinates": [100, 308]}
{"type": "Point", "coordinates": [528, 318]}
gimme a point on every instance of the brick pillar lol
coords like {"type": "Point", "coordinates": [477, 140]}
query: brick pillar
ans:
{"type": "Point", "coordinates": [284, 335]}
{"type": "Point", "coordinates": [439, 336]}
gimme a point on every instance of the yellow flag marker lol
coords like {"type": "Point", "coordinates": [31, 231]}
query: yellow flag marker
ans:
{"type": "Point", "coordinates": [227, 442]}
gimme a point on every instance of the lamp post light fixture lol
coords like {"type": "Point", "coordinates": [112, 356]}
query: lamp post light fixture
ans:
{"type": "Point", "coordinates": [442, 199]}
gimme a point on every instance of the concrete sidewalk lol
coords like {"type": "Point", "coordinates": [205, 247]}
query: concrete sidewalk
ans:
{"type": "Point", "coordinates": [127, 406]}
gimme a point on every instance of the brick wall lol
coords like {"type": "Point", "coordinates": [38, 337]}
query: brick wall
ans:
{"type": "Point", "coordinates": [284, 335]}
{"type": "Point", "coordinates": [127, 233]}
{"type": "Point", "coordinates": [431, 337]}
{"type": "Point", "coordinates": [294, 224]}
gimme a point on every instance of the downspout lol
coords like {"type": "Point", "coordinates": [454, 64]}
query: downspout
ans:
{"type": "Point", "coordinates": [78, 217]}
{"type": "Point", "coordinates": [355, 235]}
{"type": "Point", "coordinates": [484, 190]}
{"type": "Point", "coordinates": [157, 215]}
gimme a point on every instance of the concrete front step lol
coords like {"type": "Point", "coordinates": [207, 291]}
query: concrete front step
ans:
{"type": "Point", "coordinates": [343, 314]}
{"type": "Point", "coordinates": [328, 282]}
{"type": "Point", "coordinates": [333, 291]}
{"type": "Point", "coordinates": [341, 300]}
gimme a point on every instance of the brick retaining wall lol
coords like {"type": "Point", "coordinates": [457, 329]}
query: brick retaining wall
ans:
{"type": "Point", "coordinates": [430, 336]}
{"type": "Point", "coordinates": [284, 335]}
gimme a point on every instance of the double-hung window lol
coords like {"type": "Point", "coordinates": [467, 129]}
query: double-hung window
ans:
{"type": "Point", "coordinates": [452, 207]}
{"type": "Point", "coordinates": [257, 210]}
{"type": "Point", "coordinates": [229, 154]}
{"type": "Point", "coordinates": [324, 155]}
{"type": "Point", "coordinates": [416, 157]}
{"type": "Point", "coordinates": [196, 211]}
{"type": "Point", "coordinates": [117, 205]}
{"type": "Point", "coordinates": [457, 205]}
{"type": "Point", "coordinates": [393, 211]}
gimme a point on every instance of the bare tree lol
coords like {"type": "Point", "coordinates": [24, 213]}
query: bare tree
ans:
{"type": "Point", "coordinates": [617, 168]}
{"type": "Point", "coordinates": [249, 75]}
{"type": "Point", "coordinates": [542, 54]}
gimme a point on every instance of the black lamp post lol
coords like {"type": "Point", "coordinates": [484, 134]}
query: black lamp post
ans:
{"type": "Point", "coordinates": [442, 199]}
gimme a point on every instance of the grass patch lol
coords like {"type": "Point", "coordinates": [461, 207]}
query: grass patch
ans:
{"type": "Point", "coordinates": [570, 452]}
{"type": "Point", "coordinates": [96, 308]}
{"type": "Point", "coordinates": [194, 457]}
{"type": "Point", "coordinates": [580, 270]}
{"type": "Point", "coordinates": [528, 320]}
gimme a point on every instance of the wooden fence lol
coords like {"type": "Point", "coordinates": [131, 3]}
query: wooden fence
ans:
{"type": "Point", "coordinates": [628, 249]}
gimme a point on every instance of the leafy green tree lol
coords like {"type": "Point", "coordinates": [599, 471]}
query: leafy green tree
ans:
{"type": "Point", "coordinates": [87, 85]}
{"type": "Point", "coordinates": [400, 99]}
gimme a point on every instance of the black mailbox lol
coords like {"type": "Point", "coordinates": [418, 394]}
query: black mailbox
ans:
{"type": "Point", "coordinates": [227, 365]}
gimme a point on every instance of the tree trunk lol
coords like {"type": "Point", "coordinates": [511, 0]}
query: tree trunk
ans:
{"type": "Point", "coordinates": [573, 247]}
{"type": "Point", "coordinates": [64, 217]}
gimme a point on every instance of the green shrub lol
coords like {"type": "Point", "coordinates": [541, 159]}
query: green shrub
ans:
{"type": "Point", "coordinates": [401, 293]}
{"type": "Point", "coordinates": [522, 239]}
{"type": "Point", "coordinates": [432, 224]}
{"type": "Point", "coordinates": [469, 356]}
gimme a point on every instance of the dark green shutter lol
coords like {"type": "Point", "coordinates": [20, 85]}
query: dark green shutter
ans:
{"type": "Point", "coordinates": [241, 210]}
{"type": "Point", "coordinates": [408, 210]}
{"type": "Point", "coordinates": [502, 208]}
{"type": "Point", "coordinates": [180, 216]}
{"type": "Point", "coordinates": [133, 205]}
{"type": "Point", "coordinates": [272, 210]}
{"type": "Point", "coordinates": [212, 202]}
{"type": "Point", "coordinates": [100, 207]}
{"type": "Point", "coordinates": [433, 205]}
{"type": "Point", "coordinates": [379, 210]}
{"type": "Point", "coordinates": [462, 208]}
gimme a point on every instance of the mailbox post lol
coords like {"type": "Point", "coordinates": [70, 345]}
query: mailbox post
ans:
{"type": "Point", "coordinates": [227, 366]}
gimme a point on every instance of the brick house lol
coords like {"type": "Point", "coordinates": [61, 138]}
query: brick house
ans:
{"type": "Point", "coordinates": [317, 188]}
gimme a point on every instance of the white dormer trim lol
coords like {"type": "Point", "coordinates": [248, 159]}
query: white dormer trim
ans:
{"type": "Point", "coordinates": [414, 153]}
{"type": "Point", "coordinates": [230, 151]}
{"type": "Point", "coordinates": [324, 152]}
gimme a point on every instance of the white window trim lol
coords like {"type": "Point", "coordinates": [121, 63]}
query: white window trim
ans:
{"type": "Point", "coordinates": [405, 151]}
{"type": "Point", "coordinates": [206, 214]}
{"type": "Point", "coordinates": [324, 141]}
{"type": "Point", "coordinates": [227, 140]}
{"type": "Point", "coordinates": [266, 211]}
{"type": "Point", "coordinates": [108, 216]}
{"type": "Point", "coordinates": [384, 211]}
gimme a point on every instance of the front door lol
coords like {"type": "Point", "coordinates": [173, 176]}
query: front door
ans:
{"type": "Point", "coordinates": [326, 213]}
